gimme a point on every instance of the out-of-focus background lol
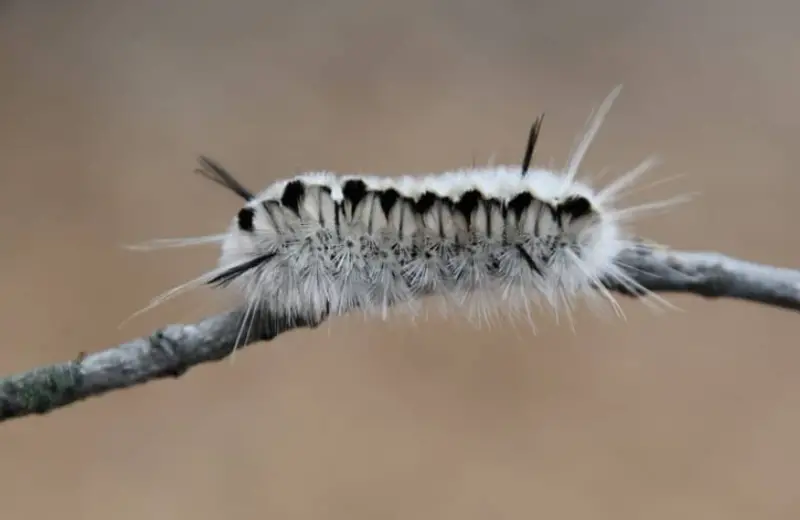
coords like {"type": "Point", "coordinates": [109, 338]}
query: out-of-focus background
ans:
{"type": "Point", "coordinates": [104, 105]}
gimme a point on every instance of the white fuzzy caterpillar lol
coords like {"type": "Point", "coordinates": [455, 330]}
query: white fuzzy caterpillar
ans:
{"type": "Point", "coordinates": [505, 237]}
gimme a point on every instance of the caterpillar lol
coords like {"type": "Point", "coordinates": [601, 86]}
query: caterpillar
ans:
{"type": "Point", "coordinates": [492, 239]}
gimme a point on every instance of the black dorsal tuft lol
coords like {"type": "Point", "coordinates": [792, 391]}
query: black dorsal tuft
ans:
{"type": "Point", "coordinates": [245, 219]}
{"type": "Point", "coordinates": [425, 202]}
{"type": "Point", "coordinates": [354, 191]}
{"type": "Point", "coordinates": [469, 203]}
{"type": "Point", "coordinates": [293, 194]}
{"type": "Point", "coordinates": [388, 199]}
{"type": "Point", "coordinates": [519, 204]}
{"type": "Point", "coordinates": [576, 207]}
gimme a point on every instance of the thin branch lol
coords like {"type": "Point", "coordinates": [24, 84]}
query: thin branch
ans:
{"type": "Point", "coordinates": [172, 350]}
{"type": "Point", "coordinates": [709, 274]}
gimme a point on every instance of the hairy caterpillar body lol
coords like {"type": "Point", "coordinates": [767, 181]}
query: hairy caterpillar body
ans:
{"type": "Point", "coordinates": [322, 244]}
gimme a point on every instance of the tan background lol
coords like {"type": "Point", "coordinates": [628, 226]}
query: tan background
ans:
{"type": "Point", "coordinates": [103, 108]}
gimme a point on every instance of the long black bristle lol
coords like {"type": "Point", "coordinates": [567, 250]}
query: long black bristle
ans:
{"type": "Point", "coordinates": [227, 276]}
{"type": "Point", "coordinates": [533, 136]}
{"type": "Point", "coordinates": [212, 171]}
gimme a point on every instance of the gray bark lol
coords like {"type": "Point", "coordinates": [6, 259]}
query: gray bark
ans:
{"type": "Point", "coordinates": [172, 350]}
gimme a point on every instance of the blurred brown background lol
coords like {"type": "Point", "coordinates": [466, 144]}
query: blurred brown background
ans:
{"type": "Point", "coordinates": [104, 106]}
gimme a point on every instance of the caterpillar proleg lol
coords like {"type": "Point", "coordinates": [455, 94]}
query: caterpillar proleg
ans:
{"type": "Point", "coordinates": [492, 239]}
